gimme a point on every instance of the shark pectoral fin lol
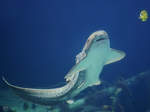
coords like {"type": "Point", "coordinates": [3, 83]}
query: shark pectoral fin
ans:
{"type": "Point", "coordinates": [115, 55]}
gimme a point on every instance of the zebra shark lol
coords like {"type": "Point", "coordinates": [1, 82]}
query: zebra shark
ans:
{"type": "Point", "coordinates": [95, 54]}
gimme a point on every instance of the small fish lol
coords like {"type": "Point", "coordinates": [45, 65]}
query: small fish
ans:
{"type": "Point", "coordinates": [143, 15]}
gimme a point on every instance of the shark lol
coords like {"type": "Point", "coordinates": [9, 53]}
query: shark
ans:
{"type": "Point", "coordinates": [89, 63]}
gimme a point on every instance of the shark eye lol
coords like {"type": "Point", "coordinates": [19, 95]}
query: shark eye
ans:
{"type": "Point", "coordinates": [100, 39]}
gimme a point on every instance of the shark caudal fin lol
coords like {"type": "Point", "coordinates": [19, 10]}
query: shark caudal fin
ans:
{"type": "Point", "coordinates": [115, 55]}
{"type": "Point", "coordinates": [5, 81]}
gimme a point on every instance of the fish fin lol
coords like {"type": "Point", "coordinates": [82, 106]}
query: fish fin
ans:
{"type": "Point", "coordinates": [81, 79]}
{"type": "Point", "coordinates": [71, 74]}
{"type": "Point", "coordinates": [81, 56]}
{"type": "Point", "coordinates": [6, 82]}
{"type": "Point", "coordinates": [81, 84]}
{"type": "Point", "coordinates": [70, 101]}
{"type": "Point", "coordinates": [115, 55]}
{"type": "Point", "coordinates": [97, 83]}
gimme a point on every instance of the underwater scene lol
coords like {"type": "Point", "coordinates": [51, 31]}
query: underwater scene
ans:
{"type": "Point", "coordinates": [75, 56]}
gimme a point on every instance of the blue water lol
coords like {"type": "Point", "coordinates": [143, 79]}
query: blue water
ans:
{"type": "Point", "coordinates": [40, 39]}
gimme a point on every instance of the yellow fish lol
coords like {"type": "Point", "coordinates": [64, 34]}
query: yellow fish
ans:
{"type": "Point", "coordinates": [143, 15]}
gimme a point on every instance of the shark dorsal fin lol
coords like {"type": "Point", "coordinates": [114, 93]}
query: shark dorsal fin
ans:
{"type": "Point", "coordinates": [115, 55]}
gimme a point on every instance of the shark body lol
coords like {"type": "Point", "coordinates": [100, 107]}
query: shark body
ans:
{"type": "Point", "coordinates": [89, 63]}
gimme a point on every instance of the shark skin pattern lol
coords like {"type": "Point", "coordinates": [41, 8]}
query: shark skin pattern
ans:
{"type": "Point", "coordinates": [95, 54]}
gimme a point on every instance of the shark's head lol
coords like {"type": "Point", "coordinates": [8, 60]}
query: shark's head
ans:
{"type": "Point", "coordinates": [98, 39]}
{"type": "Point", "coordinates": [96, 42]}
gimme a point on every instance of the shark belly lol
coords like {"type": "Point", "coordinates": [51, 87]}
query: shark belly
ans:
{"type": "Point", "coordinates": [96, 63]}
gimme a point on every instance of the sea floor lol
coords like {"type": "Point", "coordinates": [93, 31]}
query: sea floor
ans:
{"type": "Point", "coordinates": [12, 103]}
{"type": "Point", "coordinates": [125, 95]}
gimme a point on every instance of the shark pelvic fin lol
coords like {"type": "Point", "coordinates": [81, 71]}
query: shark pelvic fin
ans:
{"type": "Point", "coordinates": [115, 56]}
{"type": "Point", "coordinates": [97, 83]}
{"type": "Point", "coordinates": [70, 101]}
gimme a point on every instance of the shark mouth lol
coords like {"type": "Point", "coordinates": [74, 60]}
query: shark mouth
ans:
{"type": "Point", "coordinates": [100, 39]}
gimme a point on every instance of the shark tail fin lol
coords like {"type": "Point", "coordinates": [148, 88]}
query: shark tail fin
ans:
{"type": "Point", "coordinates": [8, 84]}
{"type": "Point", "coordinates": [5, 81]}
{"type": "Point", "coordinates": [115, 55]}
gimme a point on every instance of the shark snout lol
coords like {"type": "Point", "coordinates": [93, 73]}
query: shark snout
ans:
{"type": "Point", "coordinates": [100, 34]}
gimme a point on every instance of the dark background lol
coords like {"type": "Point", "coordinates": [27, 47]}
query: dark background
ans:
{"type": "Point", "coordinates": [40, 39]}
